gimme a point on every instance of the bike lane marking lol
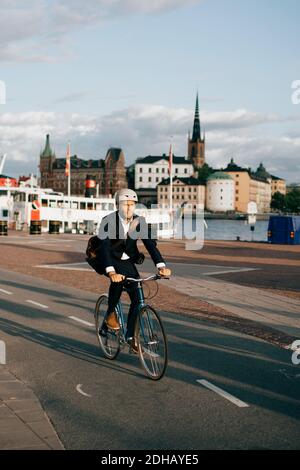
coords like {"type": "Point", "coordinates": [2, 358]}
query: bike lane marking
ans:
{"type": "Point", "coordinates": [6, 292]}
{"type": "Point", "coordinates": [79, 390]}
{"type": "Point", "coordinates": [223, 394]}
{"type": "Point", "coordinates": [81, 321]}
{"type": "Point", "coordinates": [37, 304]}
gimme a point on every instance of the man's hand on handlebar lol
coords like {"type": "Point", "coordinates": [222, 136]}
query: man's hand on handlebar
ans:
{"type": "Point", "coordinates": [114, 277]}
{"type": "Point", "coordinates": [164, 272]}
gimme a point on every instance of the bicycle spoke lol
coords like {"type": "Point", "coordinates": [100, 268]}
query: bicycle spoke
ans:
{"type": "Point", "coordinates": [110, 344]}
{"type": "Point", "coordinates": [153, 346]}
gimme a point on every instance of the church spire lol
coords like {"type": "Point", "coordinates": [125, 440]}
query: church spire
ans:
{"type": "Point", "coordinates": [47, 152]}
{"type": "Point", "coordinates": [197, 126]}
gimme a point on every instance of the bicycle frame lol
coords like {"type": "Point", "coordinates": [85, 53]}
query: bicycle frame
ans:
{"type": "Point", "coordinates": [141, 304]}
{"type": "Point", "coordinates": [120, 311]}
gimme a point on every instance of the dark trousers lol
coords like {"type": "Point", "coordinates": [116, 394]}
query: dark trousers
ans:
{"type": "Point", "coordinates": [128, 269]}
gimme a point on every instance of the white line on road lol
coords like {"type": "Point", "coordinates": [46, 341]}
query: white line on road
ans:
{"type": "Point", "coordinates": [37, 304]}
{"type": "Point", "coordinates": [81, 321]}
{"type": "Point", "coordinates": [69, 267]}
{"type": "Point", "coordinates": [223, 394]}
{"type": "Point", "coordinates": [5, 292]}
{"type": "Point", "coordinates": [227, 271]}
{"type": "Point", "coordinates": [79, 390]}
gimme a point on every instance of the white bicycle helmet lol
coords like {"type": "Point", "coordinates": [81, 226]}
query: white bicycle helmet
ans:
{"type": "Point", "coordinates": [126, 195]}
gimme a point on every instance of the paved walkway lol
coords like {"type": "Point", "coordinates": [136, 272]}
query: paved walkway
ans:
{"type": "Point", "coordinates": [272, 310]}
{"type": "Point", "coordinates": [23, 423]}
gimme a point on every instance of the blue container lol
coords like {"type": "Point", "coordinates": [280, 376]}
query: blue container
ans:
{"type": "Point", "coordinates": [284, 230]}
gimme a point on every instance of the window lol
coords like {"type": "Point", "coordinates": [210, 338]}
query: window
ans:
{"type": "Point", "coordinates": [141, 179]}
{"type": "Point", "coordinates": [5, 213]}
{"type": "Point", "coordinates": [176, 170]}
{"type": "Point", "coordinates": [157, 180]}
{"type": "Point", "coordinates": [236, 191]}
{"type": "Point", "coordinates": [149, 179]}
{"type": "Point", "coordinates": [141, 170]}
{"type": "Point", "coordinates": [157, 170]}
{"type": "Point", "coordinates": [185, 170]}
{"type": "Point", "coordinates": [150, 170]}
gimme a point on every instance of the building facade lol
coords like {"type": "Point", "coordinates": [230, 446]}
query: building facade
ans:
{"type": "Point", "coordinates": [249, 187]}
{"type": "Point", "coordinates": [109, 173]}
{"type": "Point", "coordinates": [220, 192]}
{"type": "Point", "coordinates": [151, 170]}
{"type": "Point", "coordinates": [189, 192]}
{"type": "Point", "coordinates": [278, 185]}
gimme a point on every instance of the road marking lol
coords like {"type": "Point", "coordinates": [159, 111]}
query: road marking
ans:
{"type": "Point", "coordinates": [69, 267]}
{"type": "Point", "coordinates": [37, 304]}
{"type": "Point", "coordinates": [227, 271]}
{"type": "Point", "coordinates": [5, 292]}
{"type": "Point", "coordinates": [79, 390]}
{"type": "Point", "coordinates": [223, 394]}
{"type": "Point", "coordinates": [81, 321]}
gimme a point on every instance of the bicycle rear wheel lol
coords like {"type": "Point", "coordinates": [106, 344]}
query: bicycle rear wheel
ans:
{"type": "Point", "coordinates": [152, 343]}
{"type": "Point", "coordinates": [109, 343]}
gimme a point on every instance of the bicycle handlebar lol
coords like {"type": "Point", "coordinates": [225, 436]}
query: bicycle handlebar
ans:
{"type": "Point", "coordinates": [154, 277]}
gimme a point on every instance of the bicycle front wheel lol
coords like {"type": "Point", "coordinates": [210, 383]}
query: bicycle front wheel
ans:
{"type": "Point", "coordinates": [152, 343]}
{"type": "Point", "coordinates": [109, 343]}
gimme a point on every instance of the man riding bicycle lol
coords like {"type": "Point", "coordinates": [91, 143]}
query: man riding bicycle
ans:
{"type": "Point", "coordinates": [118, 254]}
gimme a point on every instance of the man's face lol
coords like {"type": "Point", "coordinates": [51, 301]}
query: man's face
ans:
{"type": "Point", "coordinates": [126, 209]}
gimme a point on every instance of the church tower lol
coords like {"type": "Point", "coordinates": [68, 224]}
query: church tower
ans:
{"type": "Point", "coordinates": [196, 144]}
{"type": "Point", "coordinates": [47, 157]}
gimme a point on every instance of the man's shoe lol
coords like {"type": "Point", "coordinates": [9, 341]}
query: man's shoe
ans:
{"type": "Point", "coordinates": [112, 321]}
{"type": "Point", "coordinates": [133, 345]}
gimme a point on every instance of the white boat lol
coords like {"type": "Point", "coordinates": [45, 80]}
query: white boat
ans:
{"type": "Point", "coordinates": [76, 214]}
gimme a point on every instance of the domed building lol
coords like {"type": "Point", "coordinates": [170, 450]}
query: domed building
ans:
{"type": "Point", "coordinates": [220, 191]}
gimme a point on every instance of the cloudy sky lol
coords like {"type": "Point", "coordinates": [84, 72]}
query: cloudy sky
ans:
{"type": "Point", "coordinates": [125, 73]}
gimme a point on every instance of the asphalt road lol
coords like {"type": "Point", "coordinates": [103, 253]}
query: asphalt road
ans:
{"type": "Point", "coordinates": [120, 408]}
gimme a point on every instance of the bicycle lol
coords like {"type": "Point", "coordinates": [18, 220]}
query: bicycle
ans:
{"type": "Point", "coordinates": [149, 332]}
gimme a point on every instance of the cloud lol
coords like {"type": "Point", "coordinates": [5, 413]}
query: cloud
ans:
{"type": "Point", "coordinates": [147, 130]}
{"type": "Point", "coordinates": [36, 30]}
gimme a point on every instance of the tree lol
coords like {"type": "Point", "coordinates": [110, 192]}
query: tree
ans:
{"type": "Point", "coordinates": [292, 201]}
{"type": "Point", "coordinates": [278, 201]}
{"type": "Point", "coordinates": [204, 172]}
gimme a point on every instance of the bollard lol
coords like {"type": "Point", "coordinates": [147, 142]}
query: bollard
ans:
{"type": "Point", "coordinates": [3, 228]}
{"type": "Point", "coordinates": [35, 227]}
{"type": "Point", "coordinates": [54, 227]}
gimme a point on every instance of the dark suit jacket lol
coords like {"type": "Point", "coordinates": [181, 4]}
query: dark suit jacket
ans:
{"type": "Point", "coordinates": [113, 242]}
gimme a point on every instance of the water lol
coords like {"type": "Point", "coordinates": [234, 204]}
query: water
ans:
{"type": "Point", "coordinates": [230, 230]}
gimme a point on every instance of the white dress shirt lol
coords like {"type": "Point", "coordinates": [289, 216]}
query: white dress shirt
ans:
{"type": "Point", "coordinates": [124, 256]}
